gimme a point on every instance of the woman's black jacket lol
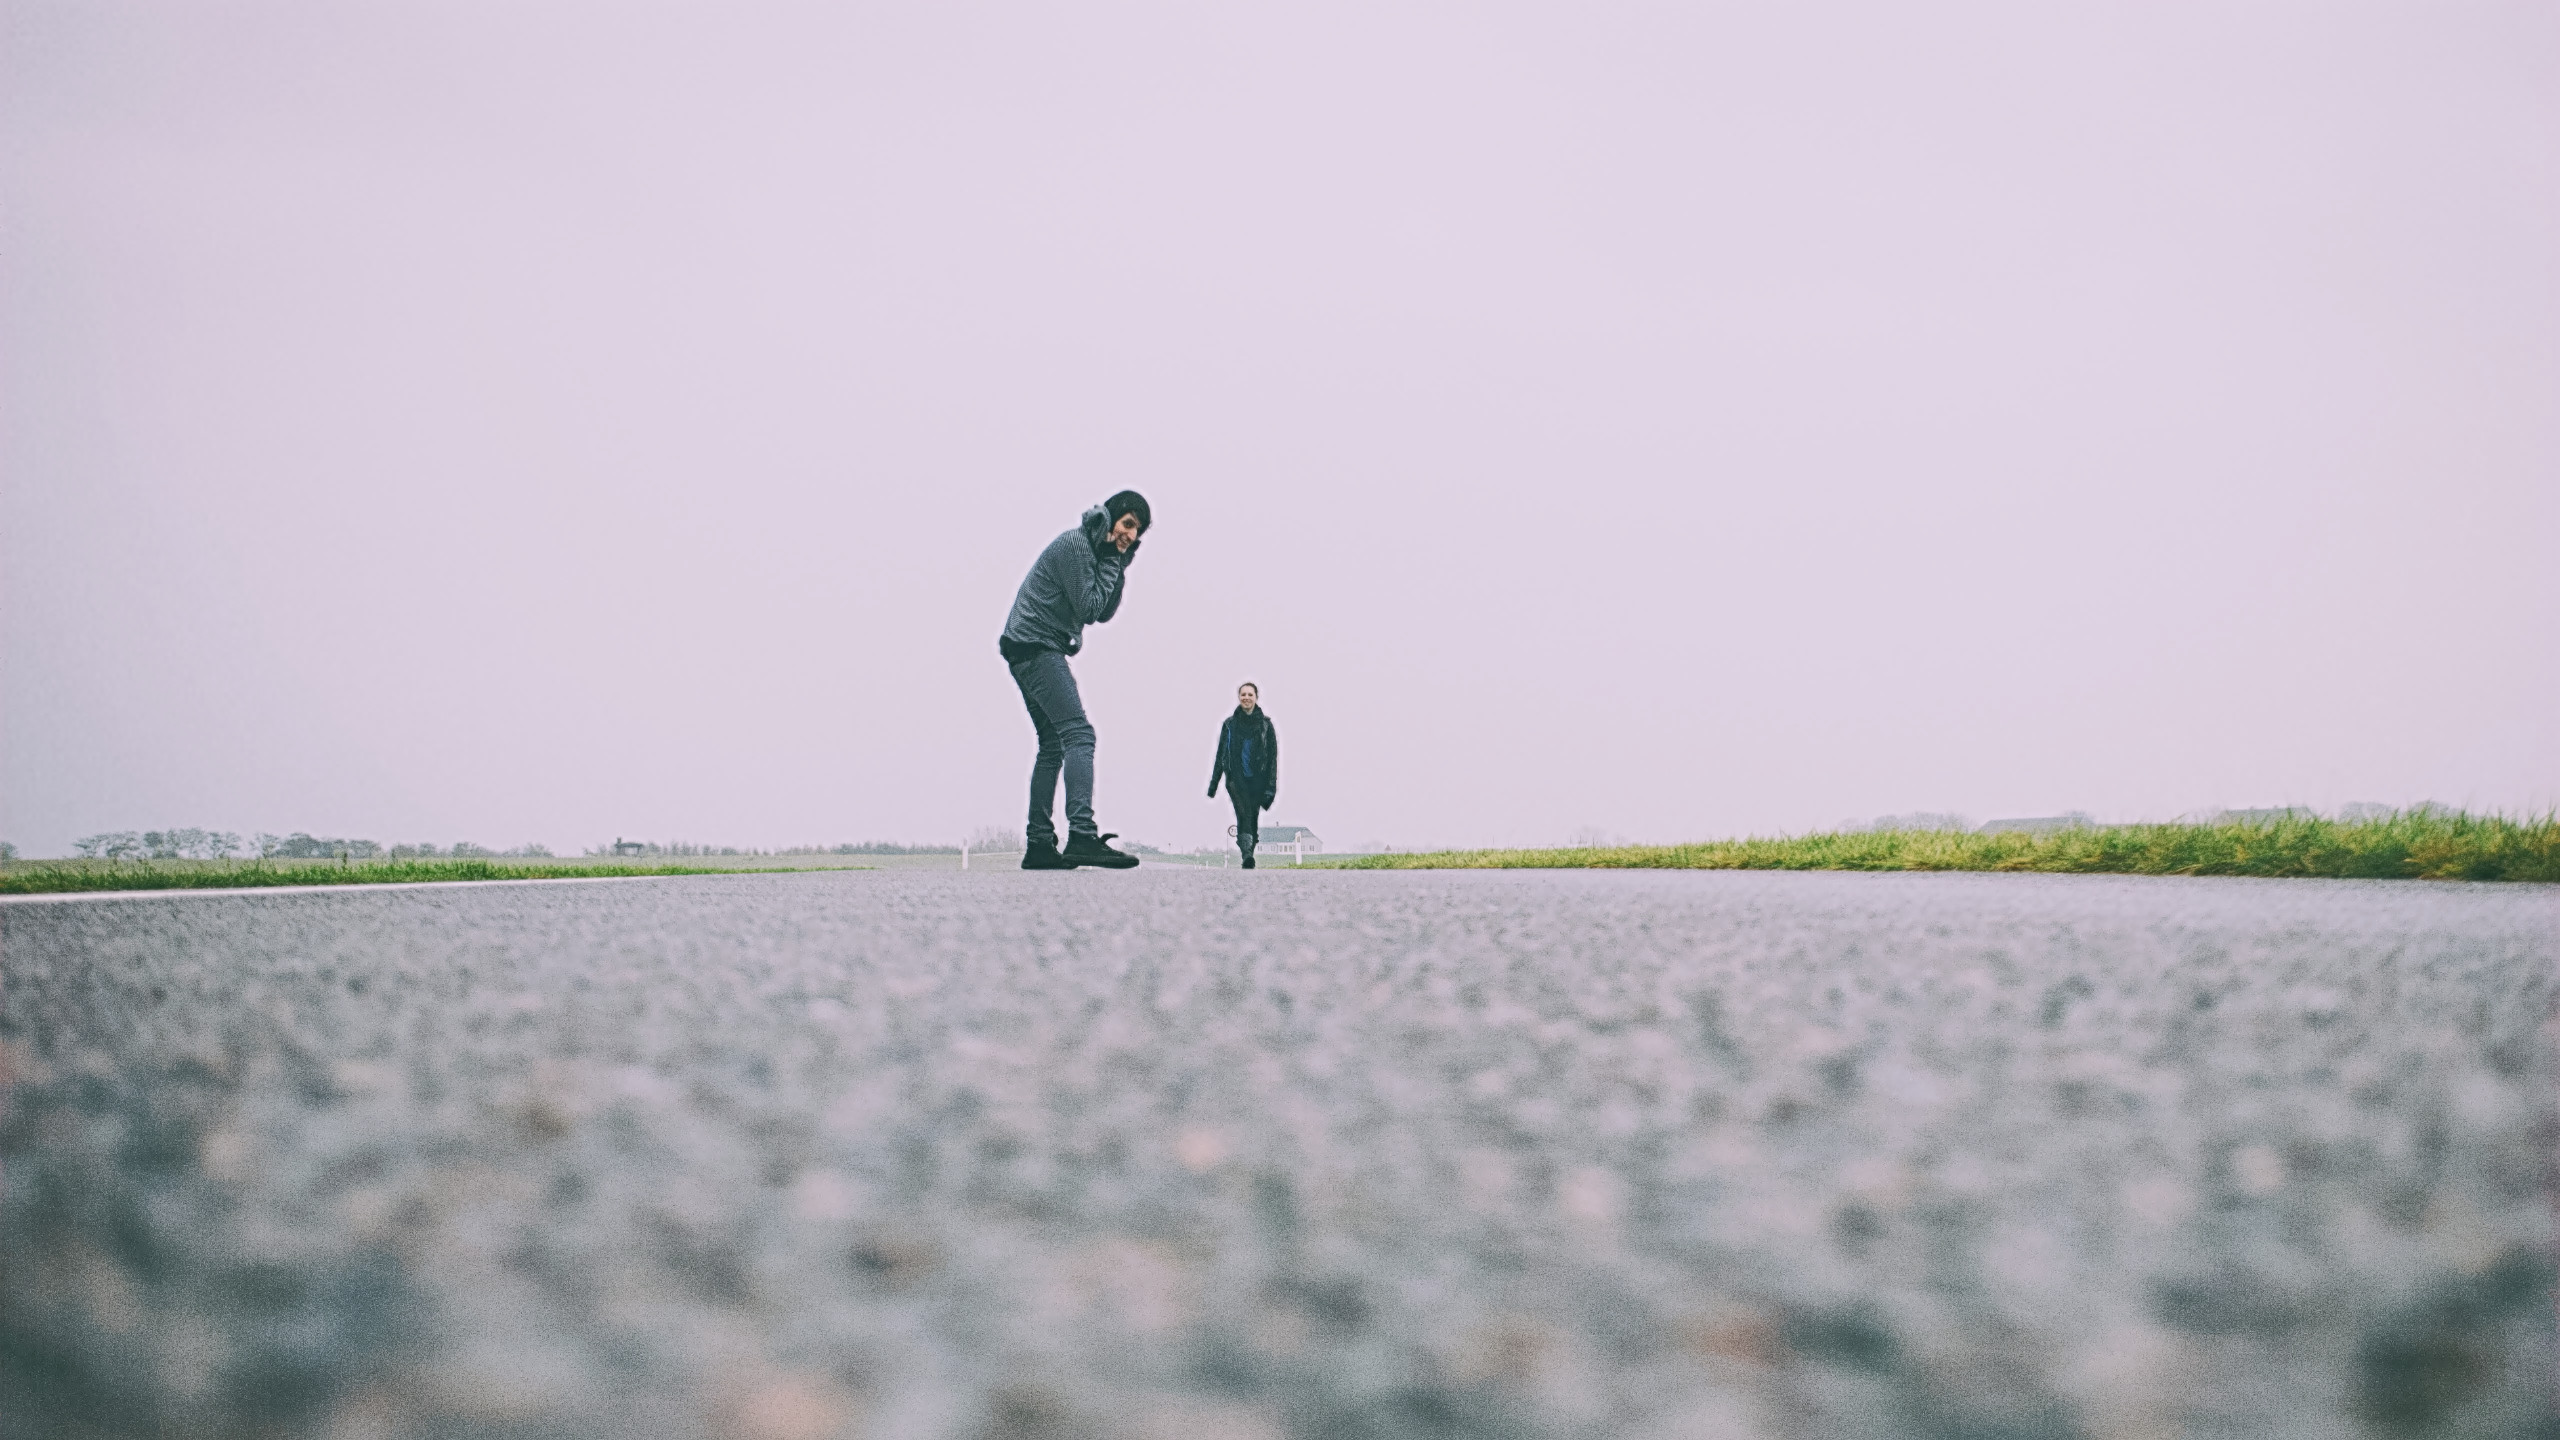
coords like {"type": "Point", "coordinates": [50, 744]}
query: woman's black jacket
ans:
{"type": "Point", "coordinates": [1239, 728]}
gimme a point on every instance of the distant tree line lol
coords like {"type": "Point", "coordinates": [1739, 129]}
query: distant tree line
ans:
{"type": "Point", "coordinates": [2357, 812]}
{"type": "Point", "coordinates": [985, 838]}
{"type": "Point", "coordinates": [186, 844]}
{"type": "Point", "coordinates": [1916, 820]}
{"type": "Point", "coordinates": [303, 846]}
{"type": "Point", "coordinates": [988, 838]}
{"type": "Point", "coordinates": [196, 844]}
{"type": "Point", "coordinates": [465, 850]}
{"type": "Point", "coordinates": [873, 847]}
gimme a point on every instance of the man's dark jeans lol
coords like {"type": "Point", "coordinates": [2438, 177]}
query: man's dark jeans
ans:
{"type": "Point", "coordinates": [1066, 743]}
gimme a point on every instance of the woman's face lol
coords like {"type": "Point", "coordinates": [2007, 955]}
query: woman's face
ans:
{"type": "Point", "coordinates": [1247, 697]}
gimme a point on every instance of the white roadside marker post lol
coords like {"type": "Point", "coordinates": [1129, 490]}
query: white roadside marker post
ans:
{"type": "Point", "coordinates": [964, 854]}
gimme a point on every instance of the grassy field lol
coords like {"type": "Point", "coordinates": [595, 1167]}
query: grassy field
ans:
{"type": "Point", "coordinates": [44, 877]}
{"type": "Point", "coordinates": [2400, 847]}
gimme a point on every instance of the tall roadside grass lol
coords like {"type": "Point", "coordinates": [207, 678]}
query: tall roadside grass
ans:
{"type": "Point", "coordinates": [45, 877]}
{"type": "Point", "coordinates": [2407, 846]}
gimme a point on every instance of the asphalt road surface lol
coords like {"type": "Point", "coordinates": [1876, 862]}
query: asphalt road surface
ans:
{"type": "Point", "coordinates": [1237, 1156]}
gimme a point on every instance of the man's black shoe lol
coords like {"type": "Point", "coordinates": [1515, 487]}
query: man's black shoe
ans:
{"type": "Point", "coordinates": [1091, 850]}
{"type": "Point", "coordinates": [1045, 857]}
{"type": "Point", "coordinates": [1248, 859]}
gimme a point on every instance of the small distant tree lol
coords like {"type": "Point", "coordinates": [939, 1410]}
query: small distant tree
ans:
{"type": "Point", "coordinates": [8, 852]}
{"type": "Point", "coordinates": [531, 850]}
{"type": "Point", "coordinates": [465, 850]}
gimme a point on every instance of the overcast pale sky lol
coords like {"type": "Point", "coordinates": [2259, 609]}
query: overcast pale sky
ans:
{"type": "Point", "coordinates": [537, 421]}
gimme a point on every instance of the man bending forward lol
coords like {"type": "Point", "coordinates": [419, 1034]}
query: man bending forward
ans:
{"type": "Point", "coordinates": [1076, 582]}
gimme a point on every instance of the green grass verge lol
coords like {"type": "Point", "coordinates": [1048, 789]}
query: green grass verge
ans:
{"type": "Point", "coordinates": [68, 876]}
{"type": "Point", "coordinates": [2400, 847]}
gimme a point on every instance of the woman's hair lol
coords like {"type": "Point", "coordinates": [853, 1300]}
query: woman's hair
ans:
{"type": "Point", "coordinates": [1249, 685]}
{"type": "Point", "coordinates": [1128, 502]}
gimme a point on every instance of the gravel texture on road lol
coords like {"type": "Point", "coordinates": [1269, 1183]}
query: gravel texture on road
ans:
{"type": "Point", "coordinates": [1233, 1156]}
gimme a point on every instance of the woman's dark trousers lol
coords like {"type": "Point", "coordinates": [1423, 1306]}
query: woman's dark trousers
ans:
{"type": "Point", "coordinates": [1248, 820]}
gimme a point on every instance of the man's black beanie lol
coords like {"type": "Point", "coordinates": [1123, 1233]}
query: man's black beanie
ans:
{"type": "Point", "coordinates": [1128, 502]}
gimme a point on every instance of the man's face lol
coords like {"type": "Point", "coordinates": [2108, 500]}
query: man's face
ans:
{"type": "Point", "coordinates": [1246, 697]}
{"type": "Point", "coordinates": [1124, 532]}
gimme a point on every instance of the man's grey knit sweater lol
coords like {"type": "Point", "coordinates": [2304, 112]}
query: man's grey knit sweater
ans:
{"type": "Point", "coordinates": [1074, 583]}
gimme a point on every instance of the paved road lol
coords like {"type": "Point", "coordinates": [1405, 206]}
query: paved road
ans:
{"type": "Point", "coordinates": [1235, 1157]}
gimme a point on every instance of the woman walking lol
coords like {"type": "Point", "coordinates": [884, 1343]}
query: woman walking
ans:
{"type": "Point", "coordinates": [1249, 761]}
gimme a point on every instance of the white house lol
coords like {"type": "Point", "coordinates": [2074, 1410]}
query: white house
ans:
{"type": "Point", "coordinates": [1296, 838]}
